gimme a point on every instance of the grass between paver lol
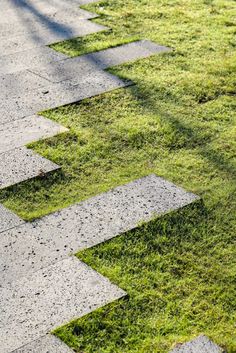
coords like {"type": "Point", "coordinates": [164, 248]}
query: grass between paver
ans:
{"type": "Point", "coordinates": [178, 121]}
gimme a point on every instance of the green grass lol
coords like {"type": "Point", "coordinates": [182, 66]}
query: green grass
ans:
{"type": "Point", "coordinates": [179, 274]}
{"type": "Point", "coordinates": [178, 121]}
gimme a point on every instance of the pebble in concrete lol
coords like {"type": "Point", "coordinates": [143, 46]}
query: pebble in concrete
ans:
{"type": "Point", "coordinates": [35, 305]}
{"type": "Point", "coordinates": [75, 68]}
{"type": "Point", "coordinates": [45, 344]}
{"type": "Point", "coordinates": [21, 164]}
{"type": "Point", "coordinates": [21, 132]}
{"type": "Point", "coordinates": [8, 219]}
{"type": "Point", "coordinates": [201, 344]}
{"type": "Point", "coordinates": [86, 224]}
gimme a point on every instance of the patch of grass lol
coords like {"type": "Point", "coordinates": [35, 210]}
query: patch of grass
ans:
{"type": "Point", "coordinates": [179, 273]}
{"type": "Point", "coordinates": [178, 122]}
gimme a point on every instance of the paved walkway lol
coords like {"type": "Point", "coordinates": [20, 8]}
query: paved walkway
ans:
{"type": "Point", "coordinates": [41, 284]}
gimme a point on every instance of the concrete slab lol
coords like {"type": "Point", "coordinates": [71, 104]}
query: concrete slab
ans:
{"type": "Point", "coordinates": [41, 57]}
{"type": "Point", "coordinates": [23, 23]}
{"type": "Point", "coordinates": [34, 245]}
{"type": "Point", "coordinates": [47, 36]}
{"type": "Point", "coordinates": [8, 219]}
{"type": "Point", "coordinates": [126, 53]}
{"type": "Point", "coordinates": [37, 304]}
{"type": "Point", "coordinates": [57, 95]}
{"type": "Point", "coordinates": [42, 6]}
{"type": "Point", "coordinates": [45, 344]}
{"type": "Point", "coordinates": [201, 344]}
{"type": "Point", "coordinates": [21, 132]}
{"type": "Point", "coordinates": [23, 17]}
{"type": "Point", "coordinates": [74, 68]}
{"type": "Point", "coordinates": [21, 83]}
{"type": "Point", "coordinates": [22, 164]}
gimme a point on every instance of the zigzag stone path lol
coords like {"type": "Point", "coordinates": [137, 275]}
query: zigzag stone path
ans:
{"type": "Point", "coordinates": [42, 285]}
{"type": "Point", "coordinates": [31, 80]}
{"type": "Point", "coordinates": [38, 303]}
{"type": "Point", "coordinates": [86, 224]}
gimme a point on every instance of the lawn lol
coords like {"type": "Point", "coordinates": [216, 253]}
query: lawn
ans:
{"type": "Point", "coordinates": [178, 121]}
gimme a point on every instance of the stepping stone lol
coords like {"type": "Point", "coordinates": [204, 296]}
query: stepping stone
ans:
{"type": "Point", "coordinates": [45, 37]}
{"type": "Point", "coordinates": [34, 245]}
{"type": "Point", "coordinates": [201, 344]}
{"type": "Point", "coordinates": [41, 5]}
{"type": "Point", "coordinates": [21, 132]}
{"type": "Point", "coordinates": [46, 344]}
{"type": "Point", "coordinates": [20, 83]}
{"type": "Point", "coordinates": [73, 68]}
{"type": "Point", "coordinates": [57, 95]}
{"type": "Point", "coordinates": [21, 164]}
{"type": "Point", "coordinates": [24, 17]}
{"type": "Point", "coordinates": [34, 305]}
{"type": "Point", "coordinates": [59, 21]}
{"type": "Point", "coordinates": [8, 219]}
{"type": "Point", "coordinates": [38, 57]}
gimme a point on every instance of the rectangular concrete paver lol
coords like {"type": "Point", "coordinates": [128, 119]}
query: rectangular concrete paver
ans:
{"type": "Point", "coordinates": [74, 68]}
{"type": "Point", "coordinates": [20, 83]}
{"type": "Point", "coordinates": [41, 57]}
{"type": "Point", "coordinates": [45, 344]}
{"type": "Point", "coordinates": [56, 23]}
{"type": "Point", "coordinates": [8, 219]}
{"type": "Point", "coordinates": [21, 132]}
{"type": "Point", "coordinates": [46, 36]}
{"type": "Point", "coordinates": [33, 306]}
{"type": "Point", "coordinates": [52, 238]}
{"type": "Point", "coordinates": [21, 164]}
{"type": "Point", "coordinates": [57, 94]}
{"type": "Point", "coordinates": [126, 53]}
{"type": "Point", "coordinates": [39, 6]}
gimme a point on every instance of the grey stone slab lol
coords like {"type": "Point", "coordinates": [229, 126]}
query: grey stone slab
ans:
{"type": "Point", "coordinates": [57, 95]}
{"type": "Point", "coordinates": [35, 305]}
{"type": "Point", "coordinates": [41, 57]}
{"type": "Point", "coordinates": [201, 344]}
{"type": "Point", "coordinates": [126, 53]}
{"type": "Point", "coordinates": [45, 344]}
{"type": "Point", "coordinates": [38, 244]}
{"type": "Point", "coordinates": [21, 132]}
{"type": "Point", "coordinates": [23, 23]}
{"type": "Point", "coordinates": [46, 15]}
{"type": "Point", "coordinates": [74, 68]}
{"type": "Point", "coordinates": [41, 6]}
{"type": "Point", "coordinates": [46, 36]}
{"type": "Point", "coordinates": [8, 219]}
{"type": "Point", "coordinates": [21, 83]}
{"type": "Point", "coordinates": [22, 164]}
